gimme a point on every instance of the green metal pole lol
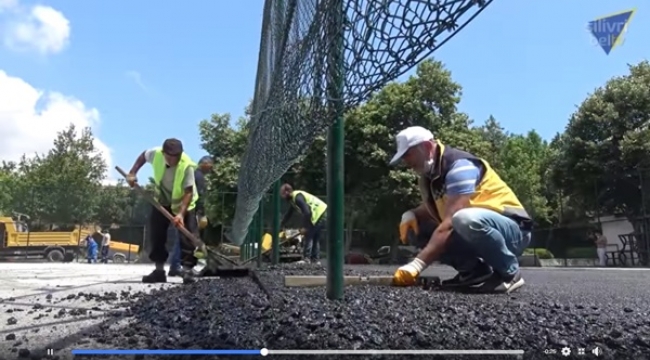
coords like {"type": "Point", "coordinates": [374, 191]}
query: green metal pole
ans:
{"type": "Point", "coordinates": [335, 151]}
{"type": "Point", "coordinates": [260, 232]}
{"type": "Point", "coordinates": [277, 208]}
{"type": "Point", "coordinates": [253, 232]}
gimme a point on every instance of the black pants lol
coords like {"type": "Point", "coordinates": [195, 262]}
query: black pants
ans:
{"type": "Point", "coordinates": [158, 225]}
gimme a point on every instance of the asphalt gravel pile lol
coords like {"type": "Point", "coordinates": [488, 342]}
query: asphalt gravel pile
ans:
{"type": "Point", "coordinates": [556, 309]}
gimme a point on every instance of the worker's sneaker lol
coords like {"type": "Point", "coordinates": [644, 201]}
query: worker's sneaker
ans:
{"type": "Point", "coordinates": [502, 284]}
{"type": "Point", "coordinates": [156, 276]}
{"type": "Point", "coordinates": [478, 275]}
{"type": "Point", "coordinates": [174, 272]}
{"type": "Point", "coordinates": [303, 262]}
{"type": "Point", "coordinates": [315, 262]}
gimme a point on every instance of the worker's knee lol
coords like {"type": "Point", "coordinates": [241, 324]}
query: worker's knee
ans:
{"type": "Point", "coordinates": [470, 223]}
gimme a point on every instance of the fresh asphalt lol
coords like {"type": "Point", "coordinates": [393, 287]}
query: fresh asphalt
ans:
{"type": "Point", "coordinates": [80, 306]}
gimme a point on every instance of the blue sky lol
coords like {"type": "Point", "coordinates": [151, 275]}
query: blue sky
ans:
{"type": "Point", "coordinates": [528, 63]}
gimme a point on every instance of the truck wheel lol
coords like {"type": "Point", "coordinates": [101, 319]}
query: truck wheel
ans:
{"type": "Point", "coordinates": [119, 259]}
{"type": "Point", "coordinates": [55, 256]}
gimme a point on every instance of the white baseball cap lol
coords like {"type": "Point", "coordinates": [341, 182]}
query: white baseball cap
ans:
{"type": "Point", "coordinates": [409, 137]}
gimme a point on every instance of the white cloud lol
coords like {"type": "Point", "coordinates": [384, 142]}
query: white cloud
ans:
{"type": "Point", "coordinates": [35, 28]}
{"type": "Point", "coordinates": [8, 5]}
{"type": "Point", "coordinates": [31, 118]}
{"type": "Point", "coordinates": [137, 78]}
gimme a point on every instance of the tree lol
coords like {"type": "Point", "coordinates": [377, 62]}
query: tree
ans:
{"type": "Point", "coordinates": [115, 204]}
{"type": "Point", "coordinates": [8, 182]}
{"type": "Point", "coordinates": [605, 144]}
{"type": "Point", "coordinates": [522, 160]}
{"type": "Point", "coordinates": [496, 138]}
{"type": "Point", "coordinates": [61, 187]}
{"type": "Point", "coordinates": [225, 144]}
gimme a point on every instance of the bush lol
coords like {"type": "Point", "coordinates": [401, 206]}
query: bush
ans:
{"type": "Point", "coordinates": [540, 252]}
{"type": "Point", "coordinates": [581, 253]}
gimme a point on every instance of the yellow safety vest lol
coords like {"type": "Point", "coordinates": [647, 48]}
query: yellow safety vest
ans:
{"type": "Point", "coordinates": [159, 167]}
{"type": "Point", "coordinates": [492, 193]}
{"type": "Point", "coordinates": [317, 206]}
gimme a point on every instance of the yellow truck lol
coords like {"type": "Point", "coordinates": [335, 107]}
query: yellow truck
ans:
{"type": "Point", "coordinates": [121, 252]}
{"type": "Point", "coordinates": [55, 246]}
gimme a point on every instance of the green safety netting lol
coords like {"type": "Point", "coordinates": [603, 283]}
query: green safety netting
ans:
{"type": "Point", "coordinates": [313, 52]}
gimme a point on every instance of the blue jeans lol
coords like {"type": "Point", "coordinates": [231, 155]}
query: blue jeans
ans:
{"type": "Point", "coordinates": [485, 234]}
{"type": "Point", "coordinates": [311, 249]}
{"type": "Point", "coordinates": [175, 262]}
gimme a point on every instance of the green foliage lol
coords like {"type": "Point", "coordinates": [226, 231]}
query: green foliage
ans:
{"type": "Point", "coordinates": [63, 187]}
{"type": "Point", "coordinates": [605, 143]}
{"type": "Point", "coordinates": [581, 253]}
{"type": "Point", "coordinates": [541, 253]}
{"type": "Point", "coordinates": [225, 144]}
{"type": "Point", "coordinates": [60, 187]}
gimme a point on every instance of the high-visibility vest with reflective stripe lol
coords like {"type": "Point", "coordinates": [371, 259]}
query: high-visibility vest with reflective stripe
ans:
{"type": "Point", "coordinates": [159, 167]}
{"type": "Point", "coordinates": [317, 206]}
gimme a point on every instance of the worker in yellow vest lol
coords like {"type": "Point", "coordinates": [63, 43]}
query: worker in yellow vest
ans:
{"type": "Point", "coordinates": [173, 174]}
{"type": "Point", "coordinates": [482, 228]}
{"type": "Point", "coordinates": [314, 216]}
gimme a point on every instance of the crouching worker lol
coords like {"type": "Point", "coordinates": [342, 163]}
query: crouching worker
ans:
{"type": "Point", "coordinates": [483, 227]}
{"type": "Point", "coordinates": [314, 216]}
{"type": "Point", "coordinates": [173, 173]}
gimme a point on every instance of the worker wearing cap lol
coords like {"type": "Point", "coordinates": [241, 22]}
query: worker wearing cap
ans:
{"type": "Point", "coordinates": [173, 174]}
{"type": "Point", "coordinates": [204, 168]}
{"type": "Point", "coordinates": [482, 226]}
{"type": "Point", "coordinates": [314, 217]}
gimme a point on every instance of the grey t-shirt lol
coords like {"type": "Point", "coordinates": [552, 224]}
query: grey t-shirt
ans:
{"type": "Point", "coordinates": [167, 182]}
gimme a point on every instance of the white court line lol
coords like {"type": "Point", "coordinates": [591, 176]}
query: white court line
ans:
{"type": "Point", "coordinates": [569, 268]}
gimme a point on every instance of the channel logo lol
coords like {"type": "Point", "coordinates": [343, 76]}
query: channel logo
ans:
{"type": "Point", "coordinates": [608, 31]}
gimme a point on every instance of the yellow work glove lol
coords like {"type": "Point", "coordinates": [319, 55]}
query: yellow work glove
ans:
{"type": "Point", "coordinates": [203, 222]}
{"type": "Point", "coordinates": [200, 252]}
{"type": "Point", "coordinates": [408, 222]}
{"type": "Point", "coordinates": [407, 275]}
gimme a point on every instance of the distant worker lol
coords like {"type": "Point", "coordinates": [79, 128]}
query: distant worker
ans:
{"type": "Point", "coordinates": [482, 227]}
{"type": "Point", "coordinates": [601, 247]}
{"type": "Point", "coordinates": [91, 249]}
{"type": "Point", "coordinates": [106, 244]}
{"type": "Point", "coordinates": [314, 216]}
{"type": "Point", "coordinates": [173, 173]}
{"type": "Point", "coordinates": [205, 167]}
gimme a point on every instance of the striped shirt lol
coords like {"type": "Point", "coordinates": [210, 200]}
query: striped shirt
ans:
{"type": "Point", "coordinates": [462, 178]}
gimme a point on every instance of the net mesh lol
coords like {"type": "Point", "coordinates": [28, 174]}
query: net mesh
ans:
{"type": "Point", "coordinates": [298, 64]}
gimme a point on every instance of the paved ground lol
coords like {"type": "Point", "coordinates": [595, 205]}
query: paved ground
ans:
{"type": "Point", "coordinates": [47, 305]}
{"type": "Point", "coordinates": [66, 306]}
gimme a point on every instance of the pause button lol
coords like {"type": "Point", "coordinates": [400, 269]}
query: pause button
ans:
{"type": "Point", "coordinates": [50, 352]}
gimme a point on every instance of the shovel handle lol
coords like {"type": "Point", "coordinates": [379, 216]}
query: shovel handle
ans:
{"type": "Point", "coordinates": [156, 204]}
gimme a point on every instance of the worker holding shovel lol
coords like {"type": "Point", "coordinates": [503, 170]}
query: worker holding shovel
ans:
{"type": "Point", "coordinates": [173, 173]}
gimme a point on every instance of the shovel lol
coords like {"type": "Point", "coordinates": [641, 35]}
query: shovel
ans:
{"type": "Point", "coordinates": [216, 263]}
